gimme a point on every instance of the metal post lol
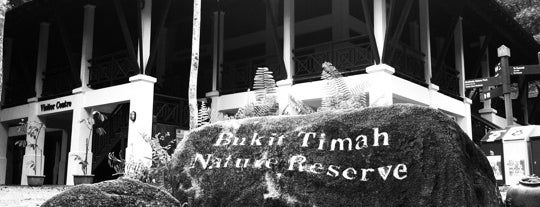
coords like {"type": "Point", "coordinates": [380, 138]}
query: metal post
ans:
{"type": "Point", "coordinates": [503, 52]}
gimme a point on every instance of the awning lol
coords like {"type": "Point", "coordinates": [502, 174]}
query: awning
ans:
{"type": "Point", "coordinates": [512, 133]}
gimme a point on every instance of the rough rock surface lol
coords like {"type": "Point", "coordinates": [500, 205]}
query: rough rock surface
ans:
{"type": "Point", "coordinates": [427, 160]}
{"type": "Point", "coordinates": [120, 192]}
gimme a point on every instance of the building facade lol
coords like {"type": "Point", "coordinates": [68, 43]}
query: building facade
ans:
{"type": "Point", "coordinates": [66, 59]}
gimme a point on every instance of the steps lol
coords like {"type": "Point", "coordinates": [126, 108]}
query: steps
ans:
{"type": "Point", "coordinates": [116, 126]}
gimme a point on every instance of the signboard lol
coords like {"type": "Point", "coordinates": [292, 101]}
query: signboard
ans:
{"type": "Point", "coordinates": [519, 133]}
{"type": "Point", "coordinates": [481, 82]}
{"type": "Point", "coordinates": [525, 70]}
{"type": "Point", "coordinates": [46, 107]}
{"type": "Point", "coordinates": [496, 92]}
{"type": "Point", "coordinates": [494, 135]}
{"type": "Point", "coordinates": [516, 161]}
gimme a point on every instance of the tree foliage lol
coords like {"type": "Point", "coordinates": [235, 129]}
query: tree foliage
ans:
{"type": "Point", "coordinates": [526, 12]}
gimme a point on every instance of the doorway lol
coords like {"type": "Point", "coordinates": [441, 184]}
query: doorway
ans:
{"type": "Point", "coordinates": [52, 168]}
{"type": "Point", "coordinates": [14, 163]}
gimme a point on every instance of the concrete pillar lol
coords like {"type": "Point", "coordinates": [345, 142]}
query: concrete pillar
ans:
{"type": "Point", "coordinates": [41, 65]}
{"type": "Point", "coordinates": [3, 152]}
{"type": "Point", "coordinates": [141, 104]}
{"type": "Point", "coordinates": [425, 38]}
{"type": "Point", "coordinates": [87, 44]}
{"type": "Point", "coordinates": [460, 56]}
{"type": "Point", "coordinates": [288, 38]}
{"type": "Point", "coordinates": [79, 133]}
{"type": "Point", "coordinates": [217, 55]}
{"type": "Point", "coordinates": [146, 27]}
{"type": "Point", "coordinates": [465, 122]}
{"type": "Point", "coordinates": [433, 90]}
{"type": "Point", "coordinates": [32, 155]}
{"type": "Point", "coordinates": [379, 24]}
{"type": "Point", "coordinates": [380, 89]}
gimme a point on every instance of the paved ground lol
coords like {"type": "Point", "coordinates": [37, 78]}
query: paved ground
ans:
{"type": "Point", "coordinates": [19, 196]}
{"type": "Point", "coordinates": [24, 196]}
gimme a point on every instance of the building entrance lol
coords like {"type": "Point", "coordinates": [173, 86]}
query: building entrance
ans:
{"type": "Point", "coordinates": [56, 147]}
{"type": "Point", "coordinates": [14, 157]}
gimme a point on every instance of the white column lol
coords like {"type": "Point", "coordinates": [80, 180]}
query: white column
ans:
{"type": "Point", "coordinates": [465, 122]}
{"type": "Point", "coordinates": [79, 133]}
{"type": "Point", "coordinates": [433, 92]}
{"type": "Point", "coordinates": [141, 103]}
{"type": "Point", "coordinates": [288, 39]}
{"type": "Point", "coordinates": [460, 56]}
{"type": "Point", "coordinates": [30, 155]}
{"type": "Point", "coordinates": [380, 89]}
{"type": "Point", "coordinates": [146, 27]}
{"type": "Point", "coordinates": [63, 159]}
{"type": "Point", "coordinates": [3, 152]}
{"type": "Point", "coordinates": [87, 44]}
{"type": "Point", "coordinates": [42, 57]}
{"type": "Point", "coordinates": [340, 19]}
{"type": "Point", "coordinates": [379, 24]}
{"type": "Point", "coordinates": [217, 55]}
{"type": "Point", "coordinates": [425, 38]}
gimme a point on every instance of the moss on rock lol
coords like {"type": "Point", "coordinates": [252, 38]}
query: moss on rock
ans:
{"type": "Point", "coordinates": [120, 192]}
{"type": "Point", "coordinates": [337, 158]}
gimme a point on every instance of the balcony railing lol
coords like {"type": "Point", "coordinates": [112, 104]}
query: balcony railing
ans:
{"type": "Point", "coordinates": [57, 82]}
{"type": "Point", "coordinates": [409, 63]}
{"type": "Point", "coordinates": [447, 78]}
{"type": "Point", "coordinates": [350, 56]}
{"type": "Point", "coordinates": [171, 110]}
{"type": "Point", "coordinates": [112, 69]}
{"type": "Point", "coordinates": [238, 76]}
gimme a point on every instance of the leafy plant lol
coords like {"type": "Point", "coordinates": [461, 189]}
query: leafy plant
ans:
{"type": "Point", "coordinates": [116, 163]}
{"type": "Point", "coordinates": [204, 115]}
{"type": "Point", "coordinates": [338, 94]}
{"type": "Point", "coordinates": [265, 104]}
{"type": "Point", "coordinates": [33, 130]}
{"type": "Point", "coordinates": [89, 122]}
{"type": "Point", "coordinates": [297, 107]}
{"type": "Point", "coordinates": [160, 173]}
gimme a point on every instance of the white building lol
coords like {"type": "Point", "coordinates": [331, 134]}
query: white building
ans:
{"type": "Point", "coordinates": [67, 58]}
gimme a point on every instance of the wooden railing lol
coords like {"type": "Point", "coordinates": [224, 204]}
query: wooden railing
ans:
{"type": "Point", "coordinates": [112, 69]}
{"type": "Point", "coordinates": [171, 110]}
{"type": "Point", "coordinates": [349, 56]}
{"type": "Point", "coordinates": [57, 82]}
{"type": "Point", "coordinates": [408, 62]}
{"type": "Point", "coordinates": [447, 78]}
{"type": "Point", "coordinates": [238, 76]}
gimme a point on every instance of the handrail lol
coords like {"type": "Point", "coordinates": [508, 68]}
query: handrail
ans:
{"type": "Point", "coordinates": [350, 56]}
{"type": "Point", "coordinates": [360, 37]}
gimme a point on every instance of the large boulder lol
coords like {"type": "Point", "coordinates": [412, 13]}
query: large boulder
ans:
{"type": "Point", "coordinates": [401, 155]}
{"type": "Point", "coordinates": [120, 192]}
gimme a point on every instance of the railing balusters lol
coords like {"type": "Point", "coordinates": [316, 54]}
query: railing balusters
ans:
{"type": "Point", "coordinates": [111, 69]}
{"type": "Point", "coordinates": [171, 110]}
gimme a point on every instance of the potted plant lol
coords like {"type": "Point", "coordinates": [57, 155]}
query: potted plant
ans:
{"type": "Point", "coordinates": [85, 178]}
{"type": "Point", "coordinates": [33, 130]}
